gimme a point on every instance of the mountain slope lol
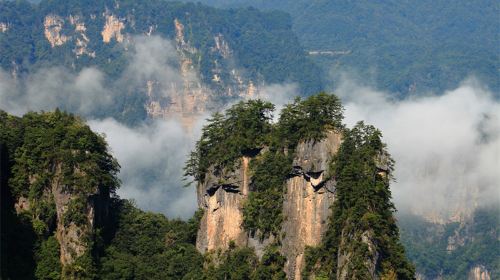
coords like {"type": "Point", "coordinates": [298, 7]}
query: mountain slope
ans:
{"type": "Point", "coordinates": [266, 191]}
{"type": "Point", "coordinates": [219, 55]}
{"type": "Point", "coordinates": [401, 46]}
{"type": "Point", "coordinates": [307, 185]}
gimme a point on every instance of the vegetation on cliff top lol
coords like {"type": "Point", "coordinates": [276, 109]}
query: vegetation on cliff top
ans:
{"type": "Point", "coordinates": [244, 130]}
{"type": "Point", "coordinates": [45, 152]}
{"type": "Point", "coordinates": [362, 225]}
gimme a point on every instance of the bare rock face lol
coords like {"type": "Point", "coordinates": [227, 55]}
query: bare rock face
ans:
{"type": "Point", "coordinates": [479, 272]}
{"type": "Point", "coordinates": [22, 204]}
{"type": "Point", "coordinates": [4, 27]}
{"type": "Point", "coordinates": [53, 25]}
{"type": "Point", "coordinates": [309, 195]}
{"type": "Point", "coordinates": [112, 29]}
{"type": "Point", "coordinates": [222, 196]}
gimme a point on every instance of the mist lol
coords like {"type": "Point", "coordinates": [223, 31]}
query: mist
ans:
{"type": "Point", "coordinates": [151, 154]}
{"type": "Point", "coordinates": [446, 146]}
{"type": "Point", "coordinates": [152, 157]}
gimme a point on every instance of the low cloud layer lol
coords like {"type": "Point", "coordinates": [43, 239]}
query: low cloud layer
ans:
{"type": "Point", "coordinates": [89, 92]}
{"type": "Point", "coordinates": [151, 155]}
{"type": "Point", "coordinates": [446, 147]}
{"type": "Point", "coordinates": [151, 158]}
{"type": "Point", "coordinates": [49, 88]}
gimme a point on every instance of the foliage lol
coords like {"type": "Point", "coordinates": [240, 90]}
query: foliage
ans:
{"type": "Point", "coordinates": [242, 263]}
{"type": "Point", "coordinates": [362, 211]}
{"type": "Point", "coordinates": [46, 151]}
{"type": "Point", "coordinates": [149, 246]}
{"type": "Point", "coordinates": [271, 265]}
{"type": "Point", "coordinates": [399, 46]}
{"type": "Point", "coordinates": [426, 244]}
{"type": "Point", "coordinates": [310, 118]}
{"type": "Point", "coordinates": [262, 210]}
{"type": "Point", "coordinates": [47, 258]}
{"type": "Point", "coordinates": [236, 263]}
{"type": "Point", "coordinates": [77, 208]}
{"type": "Point", "coordinates": [226, 137]}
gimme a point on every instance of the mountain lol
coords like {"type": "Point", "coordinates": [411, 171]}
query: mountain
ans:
{"type": "Point", "coordinates": [405, 47]}
{"type": "Point", "coordinates": [307, 185]}
{"type": "Point", "coordinates": [301, 198]}
{"type": "Point", "coordinates": [217, 55]}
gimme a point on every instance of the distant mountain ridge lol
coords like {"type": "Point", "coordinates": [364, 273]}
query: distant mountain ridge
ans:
{"type": "Point", "coordinates": [222, 54]}
{"type": "Point", "coordinates": [406, 47]}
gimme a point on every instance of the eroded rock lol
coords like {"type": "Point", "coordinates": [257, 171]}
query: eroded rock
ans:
{"type": "Point", "coordinates": [112, 29]}
{"type": "Point", "coordinates": [53, 24]}
{"type": "Point", "coordinates": [309, 195]}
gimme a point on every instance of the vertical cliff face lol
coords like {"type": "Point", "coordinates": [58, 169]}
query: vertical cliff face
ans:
{"type": "Point", "coordinates": [76, 215]}
{"type": "Point", "coordinates": [309, 195]}
{"type": "Point", "coordinates": [60, 178]}
{"type": "Point", "coordinates": [221, 195]}
{"type": "Point", "coordinates": [73, 234]}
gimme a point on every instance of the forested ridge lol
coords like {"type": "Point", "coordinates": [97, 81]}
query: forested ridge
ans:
{"type": "Point", "coordinates": [405, 47]}
{"type": "Point", "coordinates": [258, 46]}
{"type": "Point", "coordinates": [127, 243]}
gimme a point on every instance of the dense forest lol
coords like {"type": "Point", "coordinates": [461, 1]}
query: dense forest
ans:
{"type": "Point", "coordinates": [405, 47]}
{"type": "Point", "coordinates": [261, 46]}
{"type": "Point", "coordinates": [474, 242]}
{"type": "Point", "coordinates": [47, 155]}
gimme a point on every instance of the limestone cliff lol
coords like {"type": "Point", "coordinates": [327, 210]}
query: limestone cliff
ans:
{"type": "Point", "coordinates": [72, 234]}
{"type": "Point", "coordinates": [184, 99]}
{"type": "Point", "coordinates": [309, 193]}
{"type": "Point", "coordinates": [479, 272]}
{"type": "Point", "coordinates": [190, 97]}
{"type": "Point", "coordinates": [221, 195]}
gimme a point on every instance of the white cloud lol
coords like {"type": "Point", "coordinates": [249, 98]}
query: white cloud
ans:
{"type": "Point", "coordinates": [152, 157]}
{"type": "Point", "coordinates": [446, 147]}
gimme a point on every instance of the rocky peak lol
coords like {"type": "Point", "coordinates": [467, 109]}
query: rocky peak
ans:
{"type": "Point", "coordinates": [309, 194]}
